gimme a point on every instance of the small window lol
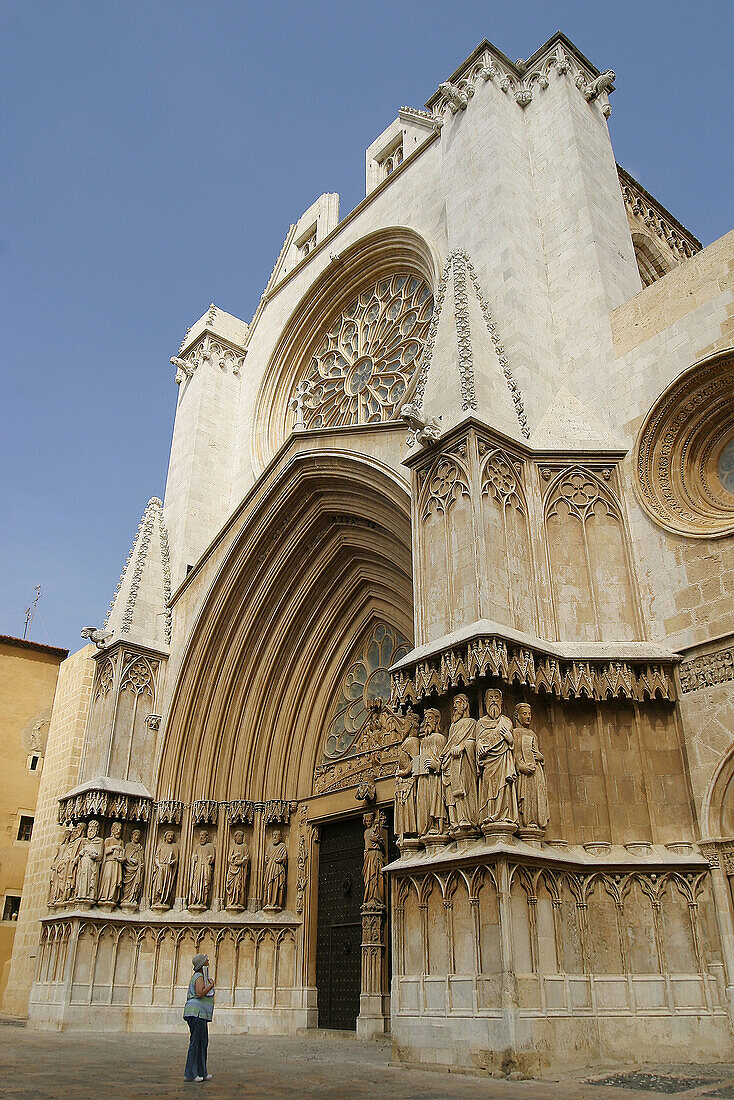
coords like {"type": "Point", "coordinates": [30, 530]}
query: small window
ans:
{"type": "Point", "coordinates": [25, 827]}
{"type": "Point", "coordinates": [33, 761]}
{"type": "Point", "coordinates": [11, 907]}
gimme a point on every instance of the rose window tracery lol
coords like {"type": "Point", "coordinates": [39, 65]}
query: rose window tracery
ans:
{"type": "Point", "coordinates": [368, 356]}
{"type": "Point", "coordinates": [365, 681]}
{"type": "Point", "coordinates": [684, 454]}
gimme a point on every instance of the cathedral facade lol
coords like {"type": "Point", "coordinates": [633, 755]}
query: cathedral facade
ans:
{"type": "Point", "coordinates": [413, 707]}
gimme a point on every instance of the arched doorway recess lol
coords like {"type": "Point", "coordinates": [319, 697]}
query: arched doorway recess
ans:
{"type": "Point", "coordinates": [326, 554]}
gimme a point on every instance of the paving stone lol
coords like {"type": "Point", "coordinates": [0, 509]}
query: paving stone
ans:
{"type": "Point", "coordinates": [45, 1066]}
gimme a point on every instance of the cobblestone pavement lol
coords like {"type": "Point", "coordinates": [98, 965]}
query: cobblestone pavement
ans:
{"type": "Point", "coordinates": [41, 1065]}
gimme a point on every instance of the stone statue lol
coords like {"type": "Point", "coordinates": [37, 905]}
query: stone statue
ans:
{"type": "Point", "coordinates": [238, 866]}
{"type": "Point", "coordinates": [75, 849]}
{"type": "Point", "coordinates": [406, 821]}
{"type": "Point", "coordinates": [496, 759]}
{"type": "Point", "coordinates": [90, 858]}
{"type": "Point", "coordinates": [276, 865]}
{"type": "Point", "coordinates": [374, 860]}
{"type": "Point", "coordinates": [532, 790]}
{"type": "Point", "coordinates": [59, 869]}
{"type": "Point", "coordinates": [202, 870]}
{"type": "Point", "coordinates": [165, 866]}
{"type": "Point", "coordinates": [110, 879]}
{"type": "Point", "coordinates": [459, 770]}
{"type": "Point", "coordinates": [431, 807]}
{"type": "Point", "coordinates": [132, 872]}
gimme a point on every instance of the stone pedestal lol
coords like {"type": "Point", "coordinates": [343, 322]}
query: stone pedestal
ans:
{"type": "Point", "coordinates": [374, 1003]}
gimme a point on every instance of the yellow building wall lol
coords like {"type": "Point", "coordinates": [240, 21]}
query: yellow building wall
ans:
{"type": "Point", "coordinates": [28, 675]}
{"type": "Point", "coordinates": [60, 769]}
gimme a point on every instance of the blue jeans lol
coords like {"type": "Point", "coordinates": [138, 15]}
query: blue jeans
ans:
{"type": "Point", "coordinates": [199, 1041]}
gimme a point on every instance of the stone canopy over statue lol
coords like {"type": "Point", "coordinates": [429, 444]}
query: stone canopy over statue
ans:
{"type": "Point", "coordinates": [486, 776]}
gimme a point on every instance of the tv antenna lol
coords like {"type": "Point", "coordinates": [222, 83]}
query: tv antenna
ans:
{"type": "Point", "coordinates": [30, 611]}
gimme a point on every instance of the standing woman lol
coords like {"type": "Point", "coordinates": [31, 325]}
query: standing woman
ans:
{"type": "Point", "coordinates": [197, 1014]}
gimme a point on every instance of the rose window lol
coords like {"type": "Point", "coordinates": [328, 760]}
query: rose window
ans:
{"type": "Point", "coordinates": [365, 361]}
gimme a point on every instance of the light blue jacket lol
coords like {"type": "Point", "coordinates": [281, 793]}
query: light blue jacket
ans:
{"type": "Point", "coordinates": [203, 1007]}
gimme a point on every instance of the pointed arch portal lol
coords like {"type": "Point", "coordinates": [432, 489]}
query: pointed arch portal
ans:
{"type": "Point", "coordinates": [325, 556]}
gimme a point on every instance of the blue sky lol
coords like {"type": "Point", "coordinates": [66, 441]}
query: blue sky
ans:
{"type": "Point", "coordinates": [154, 155]}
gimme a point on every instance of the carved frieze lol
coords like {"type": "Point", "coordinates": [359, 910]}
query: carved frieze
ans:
{"type": "Point", "coordinates": [373, 754]}
{"type": "Point", "coordinates": [707, 670]}
{"type": "Point", "coordinates": [241, 811]}
{"type": "Point", "coordinates": [204, 811]}
{"type": "Point", "coordinates": [656, 218]}
{"type": "Point", "coordinates": [568, 679]}
{"type": "Point", "coordinates": [209, 349]}
{"type": "Point", "coordinates": [520, 81]}
{"type": "Point", "coordinates": [105, 804]}
{"type": "Point", "coordinates": [169, 811]}
{"type": "Point", "coordinates": [277, 811]}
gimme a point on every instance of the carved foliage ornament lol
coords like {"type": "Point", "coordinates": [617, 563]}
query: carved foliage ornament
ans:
{"type": "Point", "coordinates": [566, 679]}
{"type": "Point", "coordinates": [367, 357]}
{"type": "Point", "coordinates": [519, 81]}
{"type": "Point", "coordinates": [684, 454]}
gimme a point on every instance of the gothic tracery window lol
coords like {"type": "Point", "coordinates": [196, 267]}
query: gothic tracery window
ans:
{"type": "Point", "coordinates": [366, 680]}
{"type": "Point", "coordinates": [367, 357]}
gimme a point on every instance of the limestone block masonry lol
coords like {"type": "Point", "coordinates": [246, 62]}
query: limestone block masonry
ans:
{"type": "Point", "coordinates": [414, 708]}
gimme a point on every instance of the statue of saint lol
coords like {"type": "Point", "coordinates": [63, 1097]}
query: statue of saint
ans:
{"type": "Point", "coordinates": [459, 769]}
{"type": "Point", "coordinates": [59, 869]}
{"type": "Point", "coordinates": [431, 807]}
{"type": "Point", "coordinates": [406, 821]}
{"type": "Point", "coordinates": [238, 866]}
{"type": "Point", "coordinates": [202, 870]}
{"type": "Point", "coordinates": [495, 756]}
{"type": "Point", "coordinates": [72, 867]}
{"type": "Point", "coordinates": [90, 857]}
{"type": "Point", "coordinates": [276, 865]}
{"type": "Point", "coordinates": [132, 872]}
{"type": "Point", "coordinates": [532, 790]}
{"type": "Point", "coordinates": [374, 861]}
{"type": "Point", "coordinates": [110, 880]}
{"type": "Point", "coordinates": [165, 865]}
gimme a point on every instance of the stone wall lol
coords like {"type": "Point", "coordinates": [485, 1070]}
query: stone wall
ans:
{"type": "Point", "coordinates": [502, 964]}
{"type": "Point", "coordinates": [65, 740]}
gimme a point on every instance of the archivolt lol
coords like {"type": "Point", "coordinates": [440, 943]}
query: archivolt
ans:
{"type": "Point", "coordinates": [325, 554]}
{"type": "Point", "coordinates": [387, 252]}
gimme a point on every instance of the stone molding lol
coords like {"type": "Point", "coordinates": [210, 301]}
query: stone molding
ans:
{"type": "Point", "coordinates": [596, 678]}
{"type": "Point", "coordinates": [719, 853]}
{"type": "Point", "coordinates": [707, 670]}
{"type": "Point", "coordinates": [521, 79]}
{"type": "Point", "coordinates": [457, 267]}
{"type": "Point", "coordinates": [100, 803]}
{"type": "Point", "coordinates": [139, 550]}
{"type": "Point", "coordinates": [97, 802]}
{"type": "Point", "coordinates": [677, 451]}
{"type": "Point", "coordinates": [209, 348]}
{"type": "Point", "coordinates": [656, 218]}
